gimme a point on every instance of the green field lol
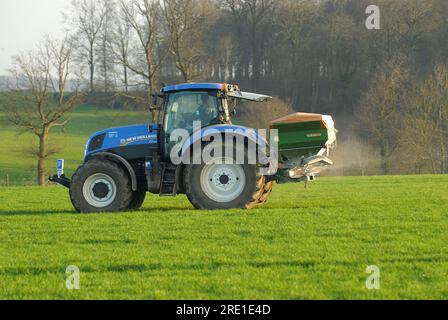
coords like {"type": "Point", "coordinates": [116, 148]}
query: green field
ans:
{"type": "Point", "coordinates": [16, 161]}
{"type": "Point", "coordinates": [305, 244]}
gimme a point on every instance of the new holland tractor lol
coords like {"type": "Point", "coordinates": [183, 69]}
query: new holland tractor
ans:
{"type": "Point", "coordinates": [121, 165]}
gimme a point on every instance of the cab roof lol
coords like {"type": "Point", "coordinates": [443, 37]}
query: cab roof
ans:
{"type": "Point", "coordinates": [193, 86]}
{"type": "Point", "coordinates": [231, 90]}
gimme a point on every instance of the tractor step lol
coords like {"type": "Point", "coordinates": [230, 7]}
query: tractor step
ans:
{"type": "Point", "coordinates": [168, 187]}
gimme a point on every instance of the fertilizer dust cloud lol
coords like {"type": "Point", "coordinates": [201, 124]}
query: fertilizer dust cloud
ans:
{"type": "Point", "coordinates": [353, 157]}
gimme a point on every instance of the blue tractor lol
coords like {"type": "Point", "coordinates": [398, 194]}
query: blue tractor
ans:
{"type": "Point", "coordinates": [122, 165]}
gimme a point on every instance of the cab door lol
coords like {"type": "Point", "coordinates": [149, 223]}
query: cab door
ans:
{"type": "Point", "coordinates": [182, 110]}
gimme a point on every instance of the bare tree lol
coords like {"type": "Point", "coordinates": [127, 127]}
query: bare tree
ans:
{"type": "Point", "coordinates": [407, 25]}
{"type": "Point", "coordinates": [37, 100]}
{"type": "Point", "coordinates": [259, 11]}
{"type": "Point", "coordinates": [225, 48]}
{"type": "Point", "coordinates": [144, 18]}
{"type": "Point", "coordinates": [254, 13]}
{"type": "Point", "coordinates": [120, 43]}
{"type": "Point", "coordinates": [294, 18]}
{"type": "Point", "coordinates": [379, 115]}
{"type": "Point", "coordinates": [417, 151]}
{"type": "Point", "coordinates": [238, 12]}
{"type": "Point", "coordinates": [105, 54]}
{"type": "Point", "coordinates": [424, 131]}
{"type": "Point", "coordinates": [187, 22]}
{"type": "Point", "coordinates": [439, 83]}
{"type": "Point", "coordinates": [87, 18]}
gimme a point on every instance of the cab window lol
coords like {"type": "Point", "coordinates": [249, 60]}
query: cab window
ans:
{"type": "Point", "coordinates": [184, 108]}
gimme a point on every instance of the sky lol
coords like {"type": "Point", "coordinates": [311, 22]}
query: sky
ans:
{"type": "Point", "coordinates": [23, 23]}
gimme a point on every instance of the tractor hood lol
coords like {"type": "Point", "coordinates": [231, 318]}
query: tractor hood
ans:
{"type": "Point", "coordinates": [122, 137]}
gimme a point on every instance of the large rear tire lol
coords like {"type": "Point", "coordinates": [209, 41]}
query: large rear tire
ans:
{"type": "Point", "coordinates": [101, 185]}
{"type": "Point", "coordinates": [224, 186]}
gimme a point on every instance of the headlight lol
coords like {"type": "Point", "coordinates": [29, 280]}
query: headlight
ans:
{"type": "Point", "coordinates": [96, 142]}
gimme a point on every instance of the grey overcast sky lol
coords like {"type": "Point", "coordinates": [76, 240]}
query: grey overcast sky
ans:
{"type": "Point", "coordinates": [23, 23]}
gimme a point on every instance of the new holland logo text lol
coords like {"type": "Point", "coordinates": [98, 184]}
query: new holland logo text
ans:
{"type": "Point", "coordinates": [125, 142]}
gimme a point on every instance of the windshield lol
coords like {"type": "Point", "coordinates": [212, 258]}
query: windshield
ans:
{"type": "Point", "coordinates": [186, 107]}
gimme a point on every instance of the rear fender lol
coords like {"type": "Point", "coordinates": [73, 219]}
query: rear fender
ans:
{"type": "Point", "coordinates": [205, 135]}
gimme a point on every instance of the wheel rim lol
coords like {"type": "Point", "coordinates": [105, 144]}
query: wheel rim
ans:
{"type": "Point", "coordinates": [223, 182]}
{"type": "Point", "coordinates": [99, 190]}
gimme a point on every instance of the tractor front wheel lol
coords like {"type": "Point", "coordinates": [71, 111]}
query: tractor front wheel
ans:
{"type": "Point", "coordinates": [101, 185]}
{"type": "Point", "coordinates": [138, 198]}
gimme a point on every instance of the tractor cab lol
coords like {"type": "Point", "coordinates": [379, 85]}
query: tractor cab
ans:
{"type": "Point", "coordinates": [205, 102]}
{"type": "Point", "coordinates": [198, 104]}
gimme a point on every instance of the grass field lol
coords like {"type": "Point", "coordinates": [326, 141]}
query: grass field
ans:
{"type": "Point", "coordinates": [305, 244]}
{"type": "Point", "coordinates": [70, 144]}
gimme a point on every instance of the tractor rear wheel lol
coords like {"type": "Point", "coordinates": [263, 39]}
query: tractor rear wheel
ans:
{"type": "Point", "coordinates": [225, 186]}
{"type": "Point", "coordinates": [100, 185]}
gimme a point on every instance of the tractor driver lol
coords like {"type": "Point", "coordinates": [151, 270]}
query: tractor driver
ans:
{"type": "Point", "coordinates": [208, 110]}
{"type": "Point", "coordinates": [203, 109]}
